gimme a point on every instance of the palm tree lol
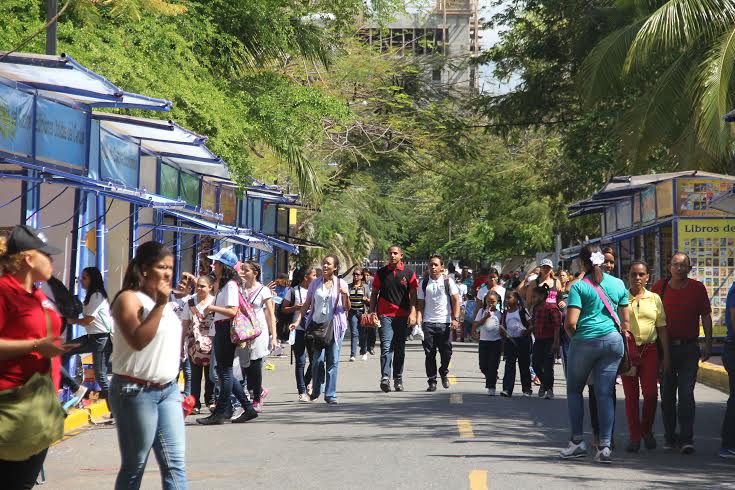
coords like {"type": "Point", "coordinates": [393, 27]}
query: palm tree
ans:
{"type": "Point", "coordinates": [675, 59]}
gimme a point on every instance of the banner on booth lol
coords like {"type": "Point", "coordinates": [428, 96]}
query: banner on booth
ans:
{"type": "Point", "coordinates": [695, 196]}
{"type": "Point", "coordinates": [16, 119]}
{"type": "Point", "coordinates": [118, 159]}
{"type": "Point", "coordinates": [710, 244]}
{"type": "Point", "coordinates": [648, 205]}
{"type": "Point", "coordinates": [61, 133]}
{"type": "Point", "coordinates": [228, 205]}
{"type": "Point", "coordinates": [209, 197]}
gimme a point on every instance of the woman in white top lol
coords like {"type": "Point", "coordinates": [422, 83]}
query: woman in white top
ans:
{"type": "Point", "coordinates": [225, 306]}
{"type": "Point", "coordinates": [260, 298]}
{"type": "Point", "coordinates": [487, 323]}
{"type": "Point", "coordinates": [197, 328]}
{"type": "Point", "coordinates": [144, 395]}
{"type": "Point", "coordinates": [328, 299]}
{"type": "Point", "coordinates": [292, 303]}
{"type": "Point", "coordinates": [98, 324]}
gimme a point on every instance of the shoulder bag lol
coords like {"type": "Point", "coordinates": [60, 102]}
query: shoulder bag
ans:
{"type": "Point", "coordinates": [320, 335]}
{"type": "Point", "coordinates": [245, 325]}
{"type": "Point", "coordinates": [198, 345]}
{"type": "Point", "coordinates": [31, 417]}
{"type": "Point", "coordinates": [625, 365]}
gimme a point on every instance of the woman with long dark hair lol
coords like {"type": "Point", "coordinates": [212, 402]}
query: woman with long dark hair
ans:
{"type": "Point", "coordinates": [261, 299]}
{"type": "Point", "coordinates": [97, 321]}
{"type": "Point", "coordinates": [598, 307]}
{"type": "Point", "coordinates": [292, 304]}
{"type": "Point", "coordinates": [225, 306]}
{"type": "Point", "coordinates": [144, 394]}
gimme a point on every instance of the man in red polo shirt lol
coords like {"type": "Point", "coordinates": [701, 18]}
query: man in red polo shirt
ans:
{"type": "Point", "coordinates": [685, 303]}
{"type": "Point", "coordinates": [393, 298]}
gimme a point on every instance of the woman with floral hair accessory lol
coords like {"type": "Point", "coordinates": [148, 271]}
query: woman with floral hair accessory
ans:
{"type": "Point", "coordinates": [597, 307]}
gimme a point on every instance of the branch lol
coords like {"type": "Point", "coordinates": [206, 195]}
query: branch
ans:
{"type": "Point", "coordinates": [524, 123]}
{"type": "Point", "coordinates": [30, 38]}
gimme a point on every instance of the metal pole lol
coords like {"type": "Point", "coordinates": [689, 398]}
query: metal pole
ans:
{"type": "Point", "coordinates": [52, 8]}
{"type": "Point", "coordinates": [100, 261]}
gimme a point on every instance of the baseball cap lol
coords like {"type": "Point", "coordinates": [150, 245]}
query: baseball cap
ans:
{"type": "Point", "coordinates": [226, 256]}
{"type": "Point", "coordinates": [25, 238]}
{"type": "Point", "coordinates": [546, 263]}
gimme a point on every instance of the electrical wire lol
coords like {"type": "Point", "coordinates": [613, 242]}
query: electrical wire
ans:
{"type": "Point", "coordinates": [47, 204]}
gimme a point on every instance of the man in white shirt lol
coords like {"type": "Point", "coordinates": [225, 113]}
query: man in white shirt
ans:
{"type": "Point", "coordinates": [438, 312]}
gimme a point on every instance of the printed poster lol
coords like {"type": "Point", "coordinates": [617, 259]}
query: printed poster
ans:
{"type": "Point", "coordinates": [710, 244]}
{"type": "Point", "coordinates": [695, 196]}
{"type": "Point", "coordinates": [648, 205]}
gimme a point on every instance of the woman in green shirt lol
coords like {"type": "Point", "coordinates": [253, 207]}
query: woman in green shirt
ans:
{"type": "Point", "coordinates": [595, 306]}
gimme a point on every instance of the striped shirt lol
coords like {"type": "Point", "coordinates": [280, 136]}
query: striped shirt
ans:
{"type": "Point", "coordinates": [357, 295]}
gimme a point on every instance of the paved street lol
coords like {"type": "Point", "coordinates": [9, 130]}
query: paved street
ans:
{"type": "Point", "coordinates": [452, 439]}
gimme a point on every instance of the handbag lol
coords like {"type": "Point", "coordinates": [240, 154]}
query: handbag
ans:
{"type": "Point", "coordinates": [369, 320]}
{"type": "Point", "coordinates": [625, 363]}
{"type": "Point", "coordinates": [31, 417]}
{"type": "Point", "coordinates": [199, 346]}
{"type": "Point", "coordinates": [245, 325]}
{"type": "Point", "coordinates": [320, 335]}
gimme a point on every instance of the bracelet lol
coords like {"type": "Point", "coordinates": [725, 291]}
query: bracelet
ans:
{"type": "Point", "coordinates": [35, 345]}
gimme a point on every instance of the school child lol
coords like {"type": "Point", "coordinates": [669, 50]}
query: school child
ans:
{"type": "Point", "coordinates": [487, 328]}
{"type": "Point", "coordinates": [515, 328]}
{"type": "Point", "coordinates": [470, 306]}
{"type": "Point", "coordinates": [546, 322]}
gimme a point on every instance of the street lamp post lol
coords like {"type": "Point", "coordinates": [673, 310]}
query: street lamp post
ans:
{"type": "Point", "coordinates": [52, 7]}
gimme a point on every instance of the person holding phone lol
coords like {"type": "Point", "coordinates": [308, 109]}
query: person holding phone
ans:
{"type": "Point", "coordinates": [29, 342]}
{"type": "Point", "coordinates": [144, 393]}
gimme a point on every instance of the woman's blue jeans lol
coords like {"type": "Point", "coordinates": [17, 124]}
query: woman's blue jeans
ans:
{"type": "Point", "coordinates": [303, 376]}
{"type": "Point", "coordinates": [330, 357]}
{"type": "Point", "coordinates": [353, 322]}
{"type": "Point", "coordinates": [146, 418]}
{"type": "Point", "coordinates": [601, 357]}
{"type": "Point", "coordinates": [224, 352]}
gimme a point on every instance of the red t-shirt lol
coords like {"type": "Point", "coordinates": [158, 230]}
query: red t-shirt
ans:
{"type": "Point", "coordinates": [546, 321]}
{"type": "Point", "coordinates": [394, 291]}
{"type": "Point", "coordinates": [478, 282]}
{"type": "Point", "coordinates": [22, 318]}
{"type": "Point", "coordinates": [683, 308]}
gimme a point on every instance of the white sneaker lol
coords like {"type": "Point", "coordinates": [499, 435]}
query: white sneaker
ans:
{"type": "Point", "coordinates": [304, 398]}
{"type": "Point", "coordinates": [574, 451]}
{"type": "Point", "coordinates": [527, 394]}
{"type": "Point", "coordinates": [364, 357]}
{"type": "Point", "coordinates": [549, 395]}
{"type": "Point", "coordinates": [352, 358]}
{"type": "Point", "coordinates": [491, 392]}
{"type": "Point", "coordinates": [237, 412]}
{"type": "Point", "coordinates": [603, 455]}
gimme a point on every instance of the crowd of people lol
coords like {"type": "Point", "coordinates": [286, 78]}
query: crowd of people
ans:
{"type": "Point", "coordinates": [219, 326]}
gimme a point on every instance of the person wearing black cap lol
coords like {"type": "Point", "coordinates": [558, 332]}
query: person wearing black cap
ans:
{"type": "Point", "coordinates": [29, 349]}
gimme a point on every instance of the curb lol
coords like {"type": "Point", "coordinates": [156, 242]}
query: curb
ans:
{"type": "Point", "coordinates": [78, 418]}
{"type": "Point", "coordinates": [713, 376]}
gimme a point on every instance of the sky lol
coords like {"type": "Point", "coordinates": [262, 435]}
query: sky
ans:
{"type": "Point", "coordinates": [487, 82]}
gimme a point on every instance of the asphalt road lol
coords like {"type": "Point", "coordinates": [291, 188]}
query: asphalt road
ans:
{"type": "Point", "coordinates": [451, 439]}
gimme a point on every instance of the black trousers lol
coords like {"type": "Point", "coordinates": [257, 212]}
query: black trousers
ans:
{"type": "Point", "coordinates": [19, 475]}
{"type": "Point", "coordinates": [518, 350]}
{"type": "Point", "coordinates": [253, 378]}
{"type": "Point", "coordinates": [437, 338]}
{"type": "Point", "coordinates": [489, 355]}
{"type": "Point", "coordinates": [198, 372]}
{"type": "Point", "coordinates": [543, 362]}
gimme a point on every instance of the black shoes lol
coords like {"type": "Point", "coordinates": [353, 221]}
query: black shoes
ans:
{"type": "Point", "coordinates": [213, 419]}
{"type": "Point", "coordinates": [432, 387]}
{"type": "Point", "coordinates": [633, 447]}
{"type": "Point", "coordinates": [385, 385]}
{"type": "Point", "coordinates": [245, 416]}
{"type": "Point", "coordinates": [398, 385]}
{"type": "Point", "coordinates": [445, 382]}
{"type": "Point", "coordinates": [649, 441]}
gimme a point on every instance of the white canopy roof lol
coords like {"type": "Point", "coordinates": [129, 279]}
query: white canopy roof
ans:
{"type": "Point", "coordinates": [62, 77]}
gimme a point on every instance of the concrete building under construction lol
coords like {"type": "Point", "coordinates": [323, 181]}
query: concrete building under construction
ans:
{"type": "Point", "coordinates": [448, 35]}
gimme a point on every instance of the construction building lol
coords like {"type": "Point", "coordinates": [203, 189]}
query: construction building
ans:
{"type": "Point", "coordinates": [448, 35]}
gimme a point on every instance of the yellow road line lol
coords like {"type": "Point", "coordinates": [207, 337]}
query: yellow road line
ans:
{"type": "Point", "coordinates": [452, 379]}
{"type": "Point", "coordinates": [455, 399]}
{"type": "Point", "coordinates": [465, 429]}
{"type": "Point", "coordinates": [478, 480]}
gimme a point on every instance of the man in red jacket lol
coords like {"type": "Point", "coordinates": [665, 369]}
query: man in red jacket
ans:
{"type": "Point", "coordinates": [685, 303]}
